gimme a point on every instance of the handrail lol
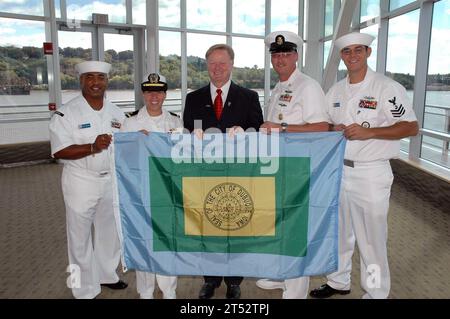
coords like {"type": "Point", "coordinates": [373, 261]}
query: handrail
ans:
{"type": "Point", "coordinates": [435, 134]}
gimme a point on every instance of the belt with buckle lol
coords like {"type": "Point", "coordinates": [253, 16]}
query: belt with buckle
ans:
{"type": "Point", "coordinates": [349, 163]}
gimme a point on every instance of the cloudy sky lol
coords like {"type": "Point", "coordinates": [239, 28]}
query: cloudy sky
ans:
{"type": "Point", "coordinates": [248, 18]}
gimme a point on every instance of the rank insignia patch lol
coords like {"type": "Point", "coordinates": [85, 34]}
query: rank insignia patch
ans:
{"type": "Point", "coordinates": [398, 110]}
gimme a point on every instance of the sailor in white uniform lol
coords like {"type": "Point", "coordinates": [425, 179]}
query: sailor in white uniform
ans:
{"type": "Point", "coordinates": [374, 113]}
{"type": "Point", "coordinates": [297, 104]}
{"type": "Point", "coordinates": [80, 135]}
{"type": "Point", "coordinates": [152, 118]}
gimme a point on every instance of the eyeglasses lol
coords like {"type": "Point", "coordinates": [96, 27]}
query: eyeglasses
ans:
{"type": "Point", "coordinates": [280, 55]}
{"type": "Point", "coordinates": [358, 51]}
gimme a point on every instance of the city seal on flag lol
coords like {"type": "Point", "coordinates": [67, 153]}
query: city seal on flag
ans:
{"type": "Point", "coordinates": [228, 206]}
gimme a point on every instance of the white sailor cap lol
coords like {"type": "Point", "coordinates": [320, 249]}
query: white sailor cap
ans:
{"type": "Point", "coordinates": [283, 41]}
{"type": "Point", "coordinates": [93, 66]}
{"type": "Point", "coordinates": [354, 38]}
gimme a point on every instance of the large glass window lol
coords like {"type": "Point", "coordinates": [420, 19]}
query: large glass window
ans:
{"type": "Point", "coordinates": [284, 15]}
{"type": "Point", "coordinates": [369, 9]}
{"type": "Point", "coordinates": [83, 10]}
{"type": "Point", "coordinates": [248, 16]}
{"type": "Point", "coordinates": [401, 54]}
{"type": "Point", "coordinates": [329, 17]}
{"type": "Point", "coordinates": [31, 7]}
{"type": "Point", "coordinates": [249, 64]}
{"type": "Point", "coordinates": [23, 82]}
{"type": "Point", "coordinates": [139, 12]}
{"type": "Point", "coordinates": [170, 67]}
{"type": "Point", "coordinates": [326, 52]}
{"type": "Point", "coordinates": [169, 13]}
{"type": "Point", "coordinates": [197, 45]}
{"type": "Point", "coordinates": [74, 47]}
{"type": "Point", "coordinates": [206, 15]}
{"type": "Point", "coordinates": [57, 9]}
{"type": "Point", "coordinates": [437, 105]}
{"type": "Point", "coordinates": [372, 30]}
{"type": "Point", "coordinates": [119, 52]}
{"type": "Point", "coordinates": [23, 67]}
{"type": "Point", "coordinates": [394, 4]}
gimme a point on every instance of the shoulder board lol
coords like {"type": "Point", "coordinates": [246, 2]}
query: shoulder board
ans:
{"type": "Point", "coordinates": [59, 113]}
{"type": "Point", "coordinates": [174, 114]}
{"type": "Point", "coordinates": [130, 114]}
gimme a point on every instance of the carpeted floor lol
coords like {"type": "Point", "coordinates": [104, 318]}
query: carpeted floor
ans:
{"type": "Point", "coordinates": [34, 258]}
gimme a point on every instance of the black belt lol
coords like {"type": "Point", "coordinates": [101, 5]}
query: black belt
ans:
{"type": "Point", "coordinates": [349, 163]}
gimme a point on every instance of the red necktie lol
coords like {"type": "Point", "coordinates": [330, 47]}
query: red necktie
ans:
{"type": "Point", "coordinates": [218, 104]}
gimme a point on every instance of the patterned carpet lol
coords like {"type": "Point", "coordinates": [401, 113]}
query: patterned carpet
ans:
{"type": "Point", "coordinates": [34, 257]}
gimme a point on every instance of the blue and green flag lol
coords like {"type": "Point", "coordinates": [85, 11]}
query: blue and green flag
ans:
{"type": "Point", "coordinates": [252, 205]}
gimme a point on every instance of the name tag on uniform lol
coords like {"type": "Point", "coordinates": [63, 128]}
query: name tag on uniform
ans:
{"type": "Point", "coordinates": [337, 104]}
{"type": "Point", "coordinates": [85, 125]}
{"type": "Point", "coordinates": [115, 124]}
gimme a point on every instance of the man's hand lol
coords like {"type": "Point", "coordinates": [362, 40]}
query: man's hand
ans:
{"type": "Point", "coordinates": [357, 132]}
{"type": "Point", "coordinates": [269, 127]}
{"type": "Point", "coordinates": [144, 132]}
{"type": "Point", "coordinates": [338, 127]}
{"type": "Point", "coordinates": [102, 142]}
{"type": "Point", "coordinates": [199, 133]}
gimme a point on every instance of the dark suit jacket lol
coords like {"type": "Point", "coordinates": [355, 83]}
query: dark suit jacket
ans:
{"type": "Point", "coordinates": [241, 108]}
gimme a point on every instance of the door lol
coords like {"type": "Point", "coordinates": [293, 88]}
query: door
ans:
{"type": "Point", "coordinates": [103, 43]}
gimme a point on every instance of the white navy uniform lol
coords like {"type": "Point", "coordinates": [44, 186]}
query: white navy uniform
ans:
{"type": "Point", "coordinates": [297, 101]}
{"type": "Point", "coordinates": [377, 101]}
{"type": "Point", "coordinates": [86, 186]}
{"type": "Point", "coordinates": [166, 122]}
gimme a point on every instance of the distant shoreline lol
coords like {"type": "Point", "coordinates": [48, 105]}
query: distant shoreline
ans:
{"type": "Point", "coordinates": [438, 87]}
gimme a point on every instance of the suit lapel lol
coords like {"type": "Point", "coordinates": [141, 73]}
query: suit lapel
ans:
{"type": "Point", "coordinates": [229, 102]}
{"type": "Point", "coordinates": [208, 101]}
{"type": "Point", "coordinates": [206, 105]}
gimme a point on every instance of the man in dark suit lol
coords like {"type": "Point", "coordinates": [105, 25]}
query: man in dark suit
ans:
{"type": "Point", "coordinates": [226, 106]}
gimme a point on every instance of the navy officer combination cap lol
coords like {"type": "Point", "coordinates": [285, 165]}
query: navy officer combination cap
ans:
{"type": "Point", "coordinates": [283, 41]}
{"type": "Point", "coordinates": [155, 82]}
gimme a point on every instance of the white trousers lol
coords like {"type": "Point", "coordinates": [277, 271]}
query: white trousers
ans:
{"type": "Point", "coordinates": [296, 288]}
{"type": "Point", "coordinates": [146, 282]}
{"type": "Point", "coordinates": [88, 201]}
{"type": "Point", "coordinates": [363, 211]}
